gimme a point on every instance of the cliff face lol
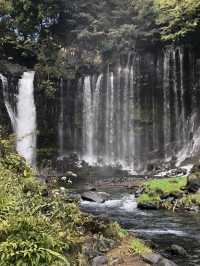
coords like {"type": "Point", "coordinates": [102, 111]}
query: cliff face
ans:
{"type": "Point", "coordinates": [140, 109]}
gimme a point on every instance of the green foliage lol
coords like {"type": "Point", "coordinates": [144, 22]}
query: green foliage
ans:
{"type": "Point", "coordinates": [139, 247]}
{"type": "Point", "coordinates": [166, 185]}
{"type": "Point", "coordinates": [154, 188]}
{"type": "Point", "coordinates": [178, 18]}
{"type": "Point", "coordinates": [114, 230]}
{"type": "Point", "coordinates": [34, 230]}
{"type": "Point", "coordinates": [38, 225]}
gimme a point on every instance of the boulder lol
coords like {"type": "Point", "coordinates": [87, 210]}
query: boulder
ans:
{"type": "Point", "coordinates": [152, 258]}
{"type": "Point", "coordinates": [178, 250]}
{"type": "Point", "coordinates": [99, 260]}
{"type": "Point", "coordinates": [165, 262]}
{"type": "Point", "coordinates": [71, 174]}
{"type": "Point", "coordinates": [98, 197]}
{"type": "Point", "coordinates": [193, 183]}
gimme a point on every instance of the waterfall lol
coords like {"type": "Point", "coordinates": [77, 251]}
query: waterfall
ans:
{"type": "Point", "coordinates": [166, 104]}
{"type": "Point", "coordinates": [26, 119]}
{"type": "Point", "coordinates": [134, 113]}
{"type": "Point", "coordinates": [9, 108]}
{"type": "Point", "coordinates": [91, 113]}
{"type": "Point", "coordinates": [61, 120]}
{"type": "Point", "coordinates": [109, 131]}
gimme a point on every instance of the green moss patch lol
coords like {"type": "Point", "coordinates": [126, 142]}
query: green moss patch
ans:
{"type": "Point", "coordinates": [156, 189]}
{"type": "Point", "coordinates": [166, 185]}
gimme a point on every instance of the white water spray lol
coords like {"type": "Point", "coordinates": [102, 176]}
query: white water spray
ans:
{"type": "Point", "coordinates": [26, 118]}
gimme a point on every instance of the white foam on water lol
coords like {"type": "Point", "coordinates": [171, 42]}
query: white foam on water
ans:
{"type": "Point", "coordinates": [160, 232]}
{"type": "Point", "coordinates": [127, 203]}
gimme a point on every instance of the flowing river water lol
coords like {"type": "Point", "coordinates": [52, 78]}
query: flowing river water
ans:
{"type": "Point", "coordinates": [163, 228]}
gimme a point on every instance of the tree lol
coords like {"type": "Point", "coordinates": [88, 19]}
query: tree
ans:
{"type": "Point", "coordinates": [178, 19]}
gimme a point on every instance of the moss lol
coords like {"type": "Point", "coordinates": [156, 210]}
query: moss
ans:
{"type": "Point", "coordinates": [166, 185]}
{"type": "Point", "coordinates": [153, 189]}
{"type": "Point", "coordinates": [139, 247]}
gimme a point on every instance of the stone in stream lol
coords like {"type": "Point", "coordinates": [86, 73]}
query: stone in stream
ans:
{"type": "Point", "coordinates": [178, 250]}
{"type": "Point", "coordinates": [157, 260]}
{"type": "Point", "coordinates": [98, 197]}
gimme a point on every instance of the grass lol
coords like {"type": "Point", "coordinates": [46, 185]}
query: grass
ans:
{"type": "Point", "coordinates": [191, 199]}
{"type": "Point", "coordinates": [154, 188]}
{"type": "Point", "coordinates": [166, 185]}
{"type": "Point", "coordinates": [139, 247]}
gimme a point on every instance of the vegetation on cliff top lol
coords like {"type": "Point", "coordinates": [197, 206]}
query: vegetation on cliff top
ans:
{"type": "Point", "coordinates": [25, 26]}
{"type": "Point", "coordinates": [62, 38]}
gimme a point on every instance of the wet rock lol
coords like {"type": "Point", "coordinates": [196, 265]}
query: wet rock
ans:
{"type": "Point", "coordinates": [152, 258]}
{"type": "Point", "coordinates": [71, 174]}
{"type": "Point", "coordinates": [150, 205]}
{"type": "Point", "coordinates": [165, 262]}
{"type": "Point", "coordinates": [193, 183]}
{"type": "Point", "coordinates": [98, 197]}
{"type": "Point", "coordinates": [99, 260]}
{"type": "Point", "coordinates": [176, 194]}
{"type": "Point", "coordinates": [178, 250]}
{"type": "Point", "coordinates": [165, 196]}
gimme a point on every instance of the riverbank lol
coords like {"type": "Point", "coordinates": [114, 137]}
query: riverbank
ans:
{"type": "Point", "coordinates": [175, 193]}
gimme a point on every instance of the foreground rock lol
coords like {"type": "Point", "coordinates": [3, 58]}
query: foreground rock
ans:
{"type": "Point", "coordinates": [193, 183]}
{"type": "Point", "coordinates": [99, 260]}
{"type": "Point", "coordinates": [98, 197]}
{"type": "Point", "coordinates": [178, 250]}
{"type": "Point", "coordinates": [157, 260]}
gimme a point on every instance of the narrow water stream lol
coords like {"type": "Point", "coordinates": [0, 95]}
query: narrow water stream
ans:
{"type": "Point", "coordinates": [163, 228]}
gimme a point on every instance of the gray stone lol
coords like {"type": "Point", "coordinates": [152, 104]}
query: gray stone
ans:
{"type": "Point", "coordinates": [152, 258]}
{"type": "Point", "coordinates": [178, 250]}
{"type": "Point", "coordinates": [193, 183]}
{"type": "Point", "coordinates": [98, 197]}
{"type": "Point", "coordinates": [71, 174]}
{"type": "Point", "coordinates": [99, 260]}
{"type": "Point", "coordinates": [165, 262]}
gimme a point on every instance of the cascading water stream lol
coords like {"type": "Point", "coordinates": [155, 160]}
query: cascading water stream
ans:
{"type": "Point", "coordinates": [26, 119]}
{"type": "Point", "coordinates": [9, 108]}
{"type": "Point", "coordinates": [61, 120]}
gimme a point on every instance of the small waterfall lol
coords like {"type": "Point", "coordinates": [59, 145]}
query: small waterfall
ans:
{"type": "Point", "coordinates": [9, 108]}
{"type": "Point", "coordinates": [109, 131]}
{"type": "Point", "coordinates": [61, 120]}
{"type": "Point", "coordinates": [166, 104]}
{"type": "Point", "coordinates": [91, 111]}
{"type": "Point", "coordinates": [26, 118]}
